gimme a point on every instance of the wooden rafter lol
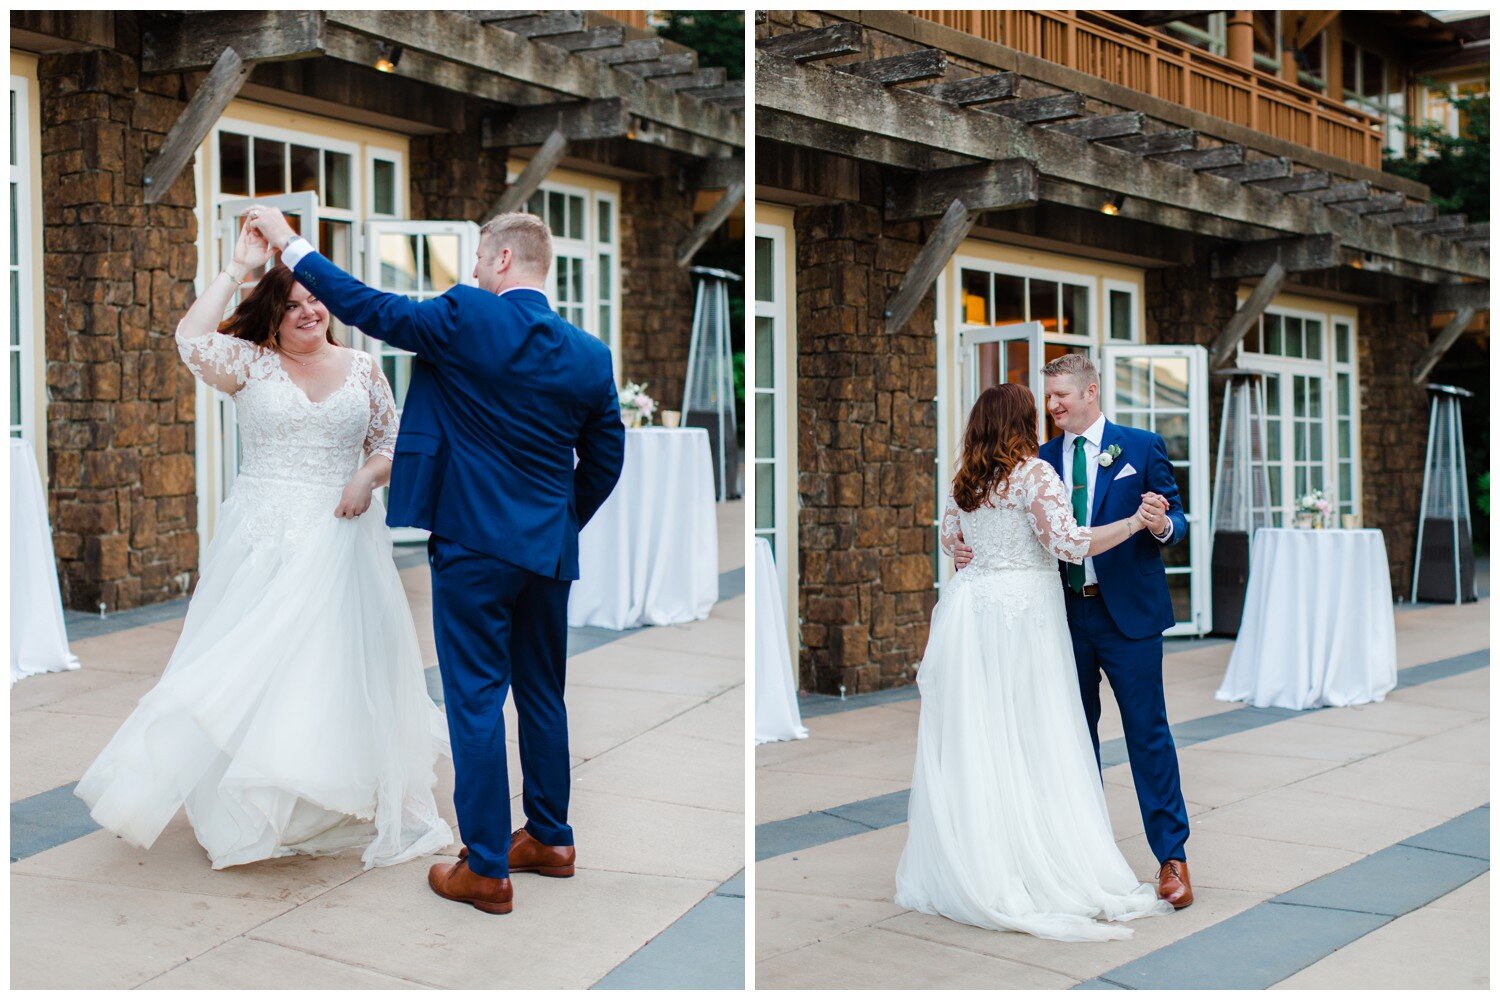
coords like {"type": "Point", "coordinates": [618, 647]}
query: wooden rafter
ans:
{"type": "Point", "coordinates": [711, 221]}
{"type": "Point", "coordinates": [580, 121]}
{"type": "Point", "coordinates": [984, 187]}
{"type": "Point", "coordinates": [537, 169]}
{"type": "Point", "coordinates": [1240, 323]}
{"type": "Point", "coordinates": [909, 67]}
{"type": "Point", "coordinates": [952, 229]}
{"type": "Point", "coordinates": [224, 81]}
{"type": "Point", "coordinates": [974, 89]}
{"type": "Point", "coordinates": [1103, 126]}
{"type": "Point", "coordinates": [1445, 340]}
{"type": "Point", "coordinates": [840, 39]}
{"type": "Point", "coordinates": [1305, 253]}
{"type": "Point", "coordinates": [1467, 295]}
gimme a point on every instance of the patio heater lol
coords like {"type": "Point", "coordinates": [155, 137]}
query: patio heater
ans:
{"type": "Point", "coordinates": [1444, 569]}
{"type": "Point", "coordinates": [708, 395]}
{"type": "Point", "coordinates": [1242, 495]}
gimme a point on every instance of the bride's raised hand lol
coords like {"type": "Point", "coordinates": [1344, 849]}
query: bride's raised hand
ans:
{"type": "Point", "coordinates": [251, 251]}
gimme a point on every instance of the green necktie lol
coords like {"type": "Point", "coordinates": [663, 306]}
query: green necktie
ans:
{"type": "Point", "coordinates": [1080, 507]}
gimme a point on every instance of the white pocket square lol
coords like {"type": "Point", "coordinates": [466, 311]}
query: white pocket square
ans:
{"type": "Point", "coordinates": [1129, 470]}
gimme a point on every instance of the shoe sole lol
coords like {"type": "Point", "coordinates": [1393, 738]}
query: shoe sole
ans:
{"type": "Point", "coordinates": [565, 871]}
{"type": "Point", "coordinates": [483, 905]}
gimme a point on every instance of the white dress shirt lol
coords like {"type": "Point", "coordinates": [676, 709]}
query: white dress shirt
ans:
{"type": "Point", "coordinates": [1092, 440]}
{"type": "Point", "coordinates": [298, 247]}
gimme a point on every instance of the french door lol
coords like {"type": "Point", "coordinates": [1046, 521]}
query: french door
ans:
{"type": "Point", "coordinates": [1163, 388]}
{"type": "Point", "coordinates": [995, 354]}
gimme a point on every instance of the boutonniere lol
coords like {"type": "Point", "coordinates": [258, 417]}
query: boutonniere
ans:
{"type": "Point", "coordinates": [1108, 456]}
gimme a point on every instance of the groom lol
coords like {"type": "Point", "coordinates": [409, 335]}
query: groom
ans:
{"type": "Point", "coordinates": [1118, 604]}
{"type": "Point", "coordinates": [503, 393]}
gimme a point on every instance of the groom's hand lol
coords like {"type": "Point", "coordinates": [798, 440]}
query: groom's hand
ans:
{"type": "Point", "coordinates": [272, 224]}
{"type": "Point", "coordinates": [1154, 513]}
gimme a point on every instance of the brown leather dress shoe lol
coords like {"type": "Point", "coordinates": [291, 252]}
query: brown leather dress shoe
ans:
{"type": "Point", "coordinates": [456, 882]}
{"type": "Point", "coordinates": [1173, 884]}
{"type": "Point", "coordinates": [527, 854]}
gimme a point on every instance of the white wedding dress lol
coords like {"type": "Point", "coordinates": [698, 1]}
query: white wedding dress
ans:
{"type": "Point", "coordinates": [293, 716]}
{"type": "Point", "coordinates": [1008, 825]}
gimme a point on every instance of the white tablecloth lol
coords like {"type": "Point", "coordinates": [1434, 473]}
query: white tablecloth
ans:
{"type": "Point", "coordinates": [1319, 628]}
{"type": "Point", "coordinates": [776, 713]}
{"type": "Point", "coordinates": [38, 640]}
{"type": "Point", "coordinates": [650, 556]}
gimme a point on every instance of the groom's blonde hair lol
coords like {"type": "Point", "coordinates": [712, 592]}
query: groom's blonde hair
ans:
{"type": "Point", "coordinates": [526, 235]}
{"type": "Point", "coordinates": [1079, 367]}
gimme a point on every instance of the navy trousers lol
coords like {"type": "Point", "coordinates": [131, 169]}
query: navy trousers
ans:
{"type": "Point", "coordinates": [499, 629]}
{"type": "Point", "coordinates": [1133, 667]}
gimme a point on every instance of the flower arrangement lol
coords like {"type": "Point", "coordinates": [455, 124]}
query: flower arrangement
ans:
{"type": "Point", "coordinates": [636, 408]}
{"type": "Point", "coordinates": [1314, 509]}
{"type": "Point", "coordinates": [1107, 458]}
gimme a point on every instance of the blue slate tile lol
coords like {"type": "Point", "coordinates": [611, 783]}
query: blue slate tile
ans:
{"type": "Point", "coordinates": [1098, 984]}
{"type": "Point", "coordinates": [703, 950]}
{"type": "Point", "coordinates": [1249, 951]}
{"type": "Point", "coordinates": [1391, 882]}
{"type": "Point", "coordinates": [1437, 670]}
{"type": "Point", "coordinates": [813, 705]}
{"type": "Point", "coordinates": [731, 583]}
{"type": "Point", "coordinates": [1468, 834]}
{"type": "Point", "coordinates": [47, 820]}
{"type": "Point", "coordinates": [876, 813]}
{"type": "Point", "coordinates": [734, 887]}
{"type": "Point", "coordinates": [802, 832]}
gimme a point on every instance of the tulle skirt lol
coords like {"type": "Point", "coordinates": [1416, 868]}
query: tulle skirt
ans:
{"type": "Point", "coordinates": [1008, 824]}
{"type": "Point", "coordinates": [293, 716]}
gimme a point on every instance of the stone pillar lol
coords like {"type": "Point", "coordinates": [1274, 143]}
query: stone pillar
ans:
{"type": "Point", "coordinates": [118, 277]}
{"type": "Point", "coordinates": [867, 441]}
{"type": "Point", "coordinates": [452, 177]}
{"type": "Point", "coordinates": [656, 295]}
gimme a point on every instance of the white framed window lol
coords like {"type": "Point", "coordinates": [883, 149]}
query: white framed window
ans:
{"type": "Point", "coordinates": [1312, 406]}
{"type": "Point", "coordinates": [1119, 312]}
{"type": "Point", "coordinates": [385, 180]}
{"type": "Point", "coordinates": [24, 341]}
{"type": "Point", "coordinates": [584, 283]}
{"type": "Point", "coordinates": [771, 415]}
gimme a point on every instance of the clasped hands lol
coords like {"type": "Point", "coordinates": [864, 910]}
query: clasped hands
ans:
{"type": "Point", "coordinates": [1152, 515]}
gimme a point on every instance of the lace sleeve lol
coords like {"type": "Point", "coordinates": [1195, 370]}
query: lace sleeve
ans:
{"type": "Point", "coordinates": [948, 530]}
{"type": "Point", "coordinates": [1051, 515]}
{"type": "Point", "coordinates": [219, 360]}
{"type": "Point", "coordinates": [380, 438]}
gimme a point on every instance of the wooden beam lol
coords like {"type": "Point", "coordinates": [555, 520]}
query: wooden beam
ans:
{"type": "Point", "coordinates": [453, 38]}
{"type": "Point", "coordinates": [1455, 329]}
{"type": "Point", "coordinates": [575, 120]}
{"type": "Point", "coordinates": [1442, 224]}
{"type": "Point", "coordinates": [1038, 109]}
{"type": "Point", "coordinates": [1462, 295]}
{"type": "Point", "coordinates": [544, 23]}
{"type": "Point", "coordinates": [710, 222]}
{"type": "Point", "coordinates": [985, 187]}
{"type": "Point", "coordinates": [952, 229]}
{"type": "Point", "coordinates": [1103, 126]}
{"type": "Point", "coordinates": [724, 91]}
{"type": "Point", "coordinates": [1240, 323]}
{"type": "Point", "coordinates": [838, 113]}
{"type": "Point", "coordinates": [713, 175]}
{"type": "Point", "coordinates": [536, 171]}
{"type": "Point", "coordinates": [1312, 23]}
{"type": "Point", "coordinates": [841, 39]}
{"type": "Point", "coordinates": [1334, 193]}
{"type": "Point", "coordinates": [602, 37]}
{"type": "Point", "coordinates": [923, 64]}
{"type": "Point", "coordinates": [1479, 232]}
{"type": "Point", "coordinates": [1410, 215]}
{"type": "Point", "coordinates": [670, 64]}
{"type": "Point", "coordinates": [635, 50]}
{"type": "Point", "coordinates": [1308, 180]}
{"type": "Point", "coordinates": [361, 50]}
{"type": "Point", "coordinates": [699, 78]}
{"type": "Point", "coordinates": [181, 43]}
{"type": "Point", "coordinates": [1304, 253]}
{"type": "Point", "coordinates": [1260, 170]}
{"type": "Point", "coordinates": [973, 90]}
{"type": "Point", "coordinates": [1382, 203]}
{"type": "Point", "coordinates": [1154, 143]}
{"type": "Point", "coordinates": [1205, 159]}
{"type": "Point", "coordinates": [223, 82]}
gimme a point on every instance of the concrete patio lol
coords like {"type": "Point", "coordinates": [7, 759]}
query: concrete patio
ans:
{"type": "Point", "coordinates": [1336, 848]}
{"type": "Point", "coordinates": [658, 730]}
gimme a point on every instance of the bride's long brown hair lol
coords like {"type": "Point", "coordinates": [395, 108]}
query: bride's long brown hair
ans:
{"type": "Point", "coordinates": [1001, 435]}
{"type": "Point", "coordinates": [258, 316]}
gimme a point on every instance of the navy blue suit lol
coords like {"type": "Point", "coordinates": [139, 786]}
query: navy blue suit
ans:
{"type": "Point", "coordinates": [1119, 632]}
{"type": "Point", "coordinates": [504, 393]}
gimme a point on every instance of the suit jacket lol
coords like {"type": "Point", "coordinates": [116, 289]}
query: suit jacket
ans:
{"type": "Point", "coordinates": [504, 393]}
{"type": "Point", "coordinates": [1132, 576]}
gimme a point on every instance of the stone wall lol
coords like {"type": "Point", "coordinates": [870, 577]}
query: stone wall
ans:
{"type": "Point", "coordinates": [656, 308]}
{"type": "Point", "coordinates": [453, 177]}
{"type": "Point", "coordinates": [118, 275]}
{"type": "Point", "coordinates": [867, 437]}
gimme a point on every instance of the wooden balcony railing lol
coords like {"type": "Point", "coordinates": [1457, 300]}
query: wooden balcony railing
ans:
{"type": "Point", "coordinates": [1117, 50]}
{"type": "Point", "coordinates": [630, 18]}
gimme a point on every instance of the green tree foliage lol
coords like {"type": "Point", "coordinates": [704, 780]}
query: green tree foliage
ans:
{"type": "Point", "coordinates": [718, 36]}
{"type": "Point", "coordinates": [1456, 168]}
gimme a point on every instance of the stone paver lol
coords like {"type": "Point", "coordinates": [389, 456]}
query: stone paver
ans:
{"type": "Point", "coordinates": [1279, 801]}
{"type": "Point", "coordinates": [658, 723]}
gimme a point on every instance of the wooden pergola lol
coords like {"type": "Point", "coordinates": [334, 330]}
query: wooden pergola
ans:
{"type": "Point", "coordinates": [971, 145]}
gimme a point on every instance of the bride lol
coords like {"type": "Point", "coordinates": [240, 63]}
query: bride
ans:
{"type": "Point", "coordinates": [1008, 826]}
{"type": "Point", "coordinates": [292, 717]}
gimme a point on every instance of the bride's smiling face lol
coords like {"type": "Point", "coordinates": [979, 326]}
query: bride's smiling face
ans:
{"type": "Point", "coordinates": [304, 321]}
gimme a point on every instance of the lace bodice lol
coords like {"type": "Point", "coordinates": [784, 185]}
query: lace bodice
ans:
{"type": "Point", "coordinates": [1027, 525]}
{"type": "Point", "coordinates": [284, 435]}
